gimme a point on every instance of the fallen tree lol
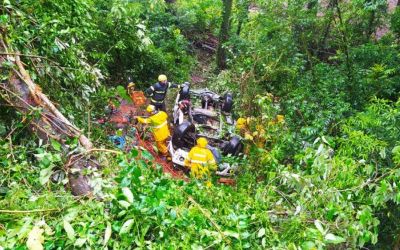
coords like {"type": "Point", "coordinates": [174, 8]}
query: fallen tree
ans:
{"type": "Point", "coordinates": [20, 92]}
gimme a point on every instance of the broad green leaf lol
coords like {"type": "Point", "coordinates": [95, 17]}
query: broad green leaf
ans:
{"type": "Point", "coordinates": [126, 226]}
{"type": "Point", "coordinates": [382, 153]}
{"type": "Point", "coordinates": [396, 150]}
{"type": "Point", "coordinates": [308, 245]}
{"type": "Point", "coordinates": [147, 155]}
{"type": "Point", "coordinates": [128, 194]}
{"type": "Point", "coordinates": [331, 238]}
{"type": "Point", "coordinates": [374, 238]}
{"type": "Point", "coordinates": [24, 230]}
{"type": "Point", "coordinates": [35, 239]}
{"type": "Point", "coordinates": [324, 140]}
{"type": "Point", "coordinates": [69, 230]}
{"type": "Point", "coordinates": [72, 214]}
{"type": "Point", "coordinates": [231, 234]}
{"type": "Point", "coordinates": [124, 204]}
{"type": "Point", "coordinates": [261, 233]}
{"type": "Point", "coordinates": [318, 225]}
{"type": "Point", "coordinates": [56, 145]}
{"type": "Point", "coordinates": [7, 3]}
{"type": "Point", "coordinates": [121, 91]}
{"type": "Point", "coordinates": [264, 242]}
{"type": "Point", "coordinates": [80, 242]}
{"type": "Point", "coordinates": [396, 154]}
{"type": "Point", "coordinates": [107, 234]}
{"type": "Point", "coordinates": [45, 175]}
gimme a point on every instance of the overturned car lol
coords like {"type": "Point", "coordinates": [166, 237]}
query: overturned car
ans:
{"type": "Point", "coordinates": [203, 113]}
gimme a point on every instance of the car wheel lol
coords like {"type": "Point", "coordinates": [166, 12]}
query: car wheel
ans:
{"type": "Point", "coordinates": [185, 170]}
{"type": "Point", "coordinates": [183, 135]}
{"type": "Point", "coordinates": [199, 118]}
{"type": "Point", "coordinates": [233, 147]}
{"type": "Point", "coordinates": [227, 103]}
{"type": "Point", "coordinates": [216, 153]}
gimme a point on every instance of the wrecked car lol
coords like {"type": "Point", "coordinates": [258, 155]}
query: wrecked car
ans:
{"type": "Point", "coordinates": [203, 113]}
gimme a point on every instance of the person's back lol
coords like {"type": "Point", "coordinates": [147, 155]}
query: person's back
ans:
{"type": "Point", "coordinates": [160, 126]}
{"type": "Point", "coordinates": [160, 91]}
{"type": "Point", "coordinates": [200, 160]}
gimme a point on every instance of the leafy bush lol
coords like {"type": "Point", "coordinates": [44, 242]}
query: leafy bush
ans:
{"type": "Point", "coordinates": [326, 177]}
{"type": "Point", "coordinates": [198, 16]}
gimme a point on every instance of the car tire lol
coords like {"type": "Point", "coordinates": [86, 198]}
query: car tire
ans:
{"type": "Point", "coordinates": [200, 119]}
{"type": "Point", "coordinates": [227, 103]}
{"type": "Point", "coordinates": [233, 147]}
{"type": "Point", "coordinates": [183, 169]}
{"type": "Point", "coordinates": [181, 137]}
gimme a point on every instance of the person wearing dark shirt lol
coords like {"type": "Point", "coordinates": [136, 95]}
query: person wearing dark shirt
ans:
{"type": "Point", "coordinates": [158, 91]}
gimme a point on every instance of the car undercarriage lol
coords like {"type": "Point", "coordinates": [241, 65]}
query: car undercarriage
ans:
{"type": "Point", "coordinates": [203, 113]}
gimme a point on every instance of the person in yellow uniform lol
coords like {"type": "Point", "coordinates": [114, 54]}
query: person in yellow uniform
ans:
{"type": "Point", "coordinates": [159, 125]}
{"type": "Point", "coordinates": [201, 160]}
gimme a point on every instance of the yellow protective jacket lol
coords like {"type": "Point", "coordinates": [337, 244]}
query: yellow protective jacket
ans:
{"type": "Point", "coordinates": [159, 125]}
{"type": "Point", "coordinates": [200, 161]}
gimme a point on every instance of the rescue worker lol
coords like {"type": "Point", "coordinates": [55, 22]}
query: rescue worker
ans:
{"type": "Point", "coordinates": [158, 91]}
{"type": "Point", "coordinates": [201, 160]}
{"type": "Point", "coordinates": [160, 130]}
{"type": "Point", "coordinates": [137, 97]}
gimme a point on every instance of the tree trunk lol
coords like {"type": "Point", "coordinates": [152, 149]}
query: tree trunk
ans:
{"type": "Point", "coordinates": [371, 23]}
{"type": "Point", "coordinates": [22, 93]}
{"type": "Point", "coordinates": [323, 45]}
{"type": "Point", "coordinates": [224, 34]}
{"type": "Point", "coordinates": [345, 46]}
{"type": "Point", "coordinates": [243, 13]}
{"type": "Point", "coordinates": [311, 4]}
{"type": "Point", "coordinates": [371, 27]}
{"type": "Point", "coordinates": [239, 27]}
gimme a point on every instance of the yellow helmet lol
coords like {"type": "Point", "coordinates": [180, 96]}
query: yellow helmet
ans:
{"type": "Point", "coordinates": [162, 78]}
{"type": "Point", "coordinates": [131, 85]}
{"type": "Point", "coordinates": [150, 108]}
{"type": "Point", "coordinates": [202, 142]}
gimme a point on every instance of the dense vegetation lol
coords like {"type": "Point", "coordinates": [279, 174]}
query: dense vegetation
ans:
{"type": "Point", "coordinates": [326, 178]}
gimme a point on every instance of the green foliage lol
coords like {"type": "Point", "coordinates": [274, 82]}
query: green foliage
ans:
{"type": "Point", "coordinates": [325, 197]}
{"type": "Point", "coordinates": [148, 209]}
{"type": "Point", "coordinates": [395, 22]}
{"type": "Point", "coordinates": [82, 44]}
{"type": "Point", "coordinates": [323, 66]}
{"type": "Point", "coordinates": [141, 47]}
{"type": "Point", "coordinates": [326, 177]}
{"type": "Point", "coordinates": [198, 16]}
